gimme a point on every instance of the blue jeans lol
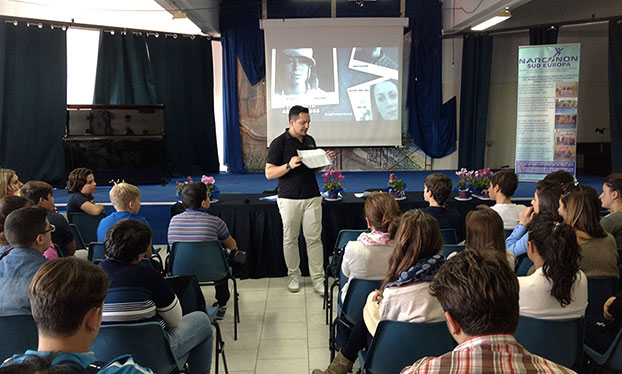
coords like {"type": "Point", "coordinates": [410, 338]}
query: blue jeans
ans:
{"type": "Point", "coordinates": [193, 338]}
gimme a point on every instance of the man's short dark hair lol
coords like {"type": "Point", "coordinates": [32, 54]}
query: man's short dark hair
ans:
{"type": "Point", "coordinates": [193, 195]}
{"type": "Point", "coordinates": [35, 190]}
{"type": "Point", "coordinates": [126, 239]}
{"type": "Point", "coordinates": [507, 180]}
{"type": "Point", "coordinates": [36, 364]}
{"type": "Point", "coordinates": [62, 292]}
{"type": "Point", "coordinates": [296, 110]}
{"type": "Point", "coordinates": [22, 226]}
{"type": "Point", "coordinates": [480, 291]}
{"type": "Point", "coordinates": [440, 186]}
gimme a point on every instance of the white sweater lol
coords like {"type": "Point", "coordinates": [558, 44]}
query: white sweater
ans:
{"type": "Point", "coordinates": [411, 303]}
{"type": "Point", "coordinates": [364, 262]}
{"type": "Point", "coordinates": [509, 214]}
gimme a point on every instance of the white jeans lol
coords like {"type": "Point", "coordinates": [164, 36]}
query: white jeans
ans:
{"type": "Point", "coordinates": [308, 213]}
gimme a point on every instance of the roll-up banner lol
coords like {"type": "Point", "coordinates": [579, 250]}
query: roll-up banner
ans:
{"type": "Point", "coordinates": [546, 123]}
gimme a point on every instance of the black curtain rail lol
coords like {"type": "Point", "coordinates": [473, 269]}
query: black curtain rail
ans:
{"type": "Point", "coordinates": [527, 27]}
{"type": "Point", "coordinates": [65, 25]}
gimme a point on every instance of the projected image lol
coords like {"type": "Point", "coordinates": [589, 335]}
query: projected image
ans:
{"type": "Point", "coordinates": [305, 76]}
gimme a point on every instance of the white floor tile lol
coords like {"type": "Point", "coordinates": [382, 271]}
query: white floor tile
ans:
{"type": "Point", "coordinates": [282, 366]}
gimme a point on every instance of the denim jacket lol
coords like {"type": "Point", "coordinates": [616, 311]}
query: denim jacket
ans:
{"type": "Point", "coordinates": [16, 271]}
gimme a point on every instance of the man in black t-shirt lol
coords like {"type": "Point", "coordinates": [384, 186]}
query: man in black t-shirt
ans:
{"type": "Point", "coordinates": [299, 199]}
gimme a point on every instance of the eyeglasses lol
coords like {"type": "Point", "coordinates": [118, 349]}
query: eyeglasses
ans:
{"type": "Point", "coordinates": [51, 229]}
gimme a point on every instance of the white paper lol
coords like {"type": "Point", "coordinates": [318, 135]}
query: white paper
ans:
{"type": "Point", "coordinates": [269, 198]}
{"type": "Point", "coordinates": [314, 158]}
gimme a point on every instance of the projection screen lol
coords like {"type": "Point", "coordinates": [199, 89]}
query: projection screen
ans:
{"type": "Point", "coordinates": [347, 71]}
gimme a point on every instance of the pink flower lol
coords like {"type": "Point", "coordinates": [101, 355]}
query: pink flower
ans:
{"type": "Point", "coordinates": [208, 180]}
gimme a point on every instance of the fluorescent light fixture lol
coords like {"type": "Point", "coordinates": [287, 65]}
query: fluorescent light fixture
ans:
{"type": "Point", "coordinates": [498, 18]}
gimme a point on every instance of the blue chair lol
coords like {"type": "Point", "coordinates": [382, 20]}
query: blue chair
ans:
{"type": "Point", "coordinates": [352, 310]}
{"type": "Point", "coordinates": [449, 236]}
{"type": "Point", "coordinates": [19, 334]}
{"type": "Point", "coordinates": [560, 341]}
{"type": "Point", "coordinates": [507, 232]}
{"type": "Point", "coordinates": [86, 224]}
{"type": "Point", "coordinates": [145, 341]}
{"type": "Point", "coordinates": [599, 289]}
{"type": "Point", "coordinates": [398, 344]}
{"type": "Point", "coordinates": [334, 269]}
{"type": "Point", "coordinates": [97, 252]}
{"type": "Point", "coordinates": [524, 263]}
{"type": "Point", "coordinates": [77, 237]}
{"type": "Point", "coordinates": [612, 358]}
{"type": "Point", "coordinates": [206, 260]}
{"type": "Point", "coordinates": [451, 248]}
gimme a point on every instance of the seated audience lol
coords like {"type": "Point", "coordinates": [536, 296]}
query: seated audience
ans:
{"type": "Point", "coordinates": [479, 293]}
{"type": "Point", "coordinates": [545, 199]}
{"type": "Point", "coordinates": [40, 193]}
{"type": "Point", "coordinates": [405, 292]}
{"type": "Point", "coordinates": [611, 199]}
{"type": "Point", "coordinates": [67, 296]}
{"type": "Point", "coordinates": [81, 186]}
{"type": "Point", "coordinates": [580, 208]}
{"type": "Point", "coordinates": [150, 296]}
{"type": "Point", "coordinates": [484, 231]}
{"type": "Point", "coordinates": [196, 225]}
{"type": "Point", "coordinates": [125, 198]}
{"type": "Point", "coordinates": [368, 256]}
{"type": "Point", "coordinates": [503, 184]}
{"type": "Point", "coordinates": [9, 183]}
{"type": "Point", "coordinates": [557, 289]}
{"type": "Point", "coordinates": [28, 232]}
{"type": "Point", "coordinates": [436, 190]}
{"type": "Point", "coordinates": [8, 204]}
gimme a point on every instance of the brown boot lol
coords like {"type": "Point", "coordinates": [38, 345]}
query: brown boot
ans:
{"type": "Point", "coordinates": [340, 365]}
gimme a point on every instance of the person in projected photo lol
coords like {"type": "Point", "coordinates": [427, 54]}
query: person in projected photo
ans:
{"type": "Point", "coordinates": [384, 100]}
{"type": "Point", "coordinates": [296, 76]}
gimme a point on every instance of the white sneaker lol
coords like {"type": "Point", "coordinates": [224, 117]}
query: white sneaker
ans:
{"type": "Point", "coordinates": [293, 285]}
{"type": "Point", "coordinates": [319, 288]}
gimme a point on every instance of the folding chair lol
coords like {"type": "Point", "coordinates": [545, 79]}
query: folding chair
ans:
{"type": "Point", "coordinates": [19, 334]}
{"type": "Point", "coordinates": [524, 263]}
{"type": "Point", "coordinates": [560, 341]}
{"type": "Point", "coordinates": [97, 252]}
{"type": "Point", "coordinates": [77, 237]}
{"type": "Point", "coordinates": [86, 224]}
{"type": "Point", "coordinates": [206, 260]}
{"type": "Point", "coordinates": [451, 248]}
{"type": "Point", "coordinates": [449, 236]}
{"type": "Point", "coordinates": [388, 353]}
{"type": "Point", "coordinates": [612, 358]}
{"type": "Point", "coordinates": [352, 310]}
{"type": "Point", "coordinates": [507, 232]}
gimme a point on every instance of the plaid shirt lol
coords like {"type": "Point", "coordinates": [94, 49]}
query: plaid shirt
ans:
{"type": "Point", "coordinates": [487, 354]}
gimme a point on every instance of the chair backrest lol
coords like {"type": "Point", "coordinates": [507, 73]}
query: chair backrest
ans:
{"type": "Point", "coordinates": [560, 341]}
{"type": "Point", "coordinates": [398, 344]}
{"type": "Point", "coordinates": [188, 292]}
{"type": "Point", "coordinates": [206, 260]}
{"type": "Point", "coordinates": [145, 341]}
{"type": "Point", "coordinates": [59, 250]}
{"type": "Point", "coordinates": [346, 236]}
{"type": "Point", "coordinates": [507, 232]}
{"type": "Point", "coordinates": [97, 252]}
{"type": "Point", "coordinates": [19, 334]}
{"type": "Point", "coordinates": [524, 263]}
{"type": "Point", "coordinates": [77, 236]}
{"type": "Point", "coordinates": [449, 236]}
{"type": "Point", "coordinates": [599, 289]}
{"type": "Point", "coordinates": [87, 224]}
{"type": "Point", "coordinates": [451, 248]}
{"type": "Point", "coordinates": [358, 290]}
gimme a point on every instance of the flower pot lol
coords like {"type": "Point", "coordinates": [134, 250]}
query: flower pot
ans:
{"type": "Point", "coordinates": [485, 194]}
{"type": "Point", "coordinates": [464, 193]}
{"type": "Point", "coordinates": [333, 195]}
{"type": "Point", "coordinates": [398, 194]}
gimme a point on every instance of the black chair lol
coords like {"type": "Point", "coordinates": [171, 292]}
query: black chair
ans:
{"type": "Point", "coordinates": [206, 260]}
{"type": "Point", "coordinates": [449, 236]}
{"type": "Point", "coordinates": [19, 334]}
{"type": "Point", "coordinates": [86, 224]}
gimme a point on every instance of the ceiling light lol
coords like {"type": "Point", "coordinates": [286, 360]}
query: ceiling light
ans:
{"type": "Point", "coordinates": [497, 18]}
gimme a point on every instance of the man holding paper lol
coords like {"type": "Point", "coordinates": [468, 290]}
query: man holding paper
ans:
{"type": "Point", "coordinates": [299, 198]}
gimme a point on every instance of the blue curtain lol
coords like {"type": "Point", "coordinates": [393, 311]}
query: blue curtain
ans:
{"type": "Point", "coordinates": [615, 94]}
{"type": "Point", "coordinates": [33, 100]}
{"type": "Point", "coordinates": [543, 35]}
{"type": "Point", "coordinates": [241, 39]}
{"type": "Point", "coordinates": [298, 9]}
{"type": "Point", "coordinates": [431, 123]}
{"type": "Point", "coordinates": [476, 65]}
{"type": "Point", "coordinates": [376, 8]}
{"type": "Point", "coordinates": [124, 74]}
{"type": "Point", "coordinates": [183, 77]}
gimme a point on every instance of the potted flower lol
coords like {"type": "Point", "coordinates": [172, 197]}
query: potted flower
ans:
{"type": "Point", "coordinates": [212, 191]}
{"type": "Point", "coordinates": [396, 187]}
{"type": "Point", "coordinates": [464, 184]}
{"type": "Point", "coordinates": [332, 183]}
{"type": "Point", "coordinates": [481, 182]}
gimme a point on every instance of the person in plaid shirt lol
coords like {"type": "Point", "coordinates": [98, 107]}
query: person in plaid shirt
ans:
{"type": "Point", "coordinates": [479, 293]}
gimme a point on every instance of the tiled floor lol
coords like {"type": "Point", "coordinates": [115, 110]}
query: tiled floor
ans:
{"type": "Point", "coordinates": [279, 331]}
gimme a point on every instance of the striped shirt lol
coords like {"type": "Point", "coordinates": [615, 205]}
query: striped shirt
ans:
{"type": "Point", "coordinates": [487, 354]}
{"type": "Point", "coordinates": [196, 226]}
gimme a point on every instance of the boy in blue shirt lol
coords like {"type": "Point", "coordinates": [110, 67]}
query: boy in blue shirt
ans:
{"type": "Point", "coordinates": [125, 198]}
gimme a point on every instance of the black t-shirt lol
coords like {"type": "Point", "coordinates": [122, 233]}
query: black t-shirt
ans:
{"type": "Point", "coordinates": [447, 219]}
{"type": "Point", "coordinates": [75, 201]}
{"type": "Point", "coordinates": [298, 183]}
{"type": "Point", "coordinates": [62, 235]}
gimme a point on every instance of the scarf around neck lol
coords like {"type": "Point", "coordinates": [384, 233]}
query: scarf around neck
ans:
{"type": "Point", "coordinates": [375, 238]}
{"type": "Point", "coordinates": [423, 271]}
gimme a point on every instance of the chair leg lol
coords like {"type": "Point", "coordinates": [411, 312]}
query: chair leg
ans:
{"type": "Point", "coordinates": [236, 310]}
{"type": "Point", "coordinates": [332, 341]}
{"type": "Point", "coordinates": [220, 348]}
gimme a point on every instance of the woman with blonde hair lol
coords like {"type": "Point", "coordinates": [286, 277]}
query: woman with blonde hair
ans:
{"type": "Point", "coordinates": [404, 294]}
{"type": "Point", "coordinates": [368, 256]}
{"type": "Point", "coordinates": [9, 183]}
